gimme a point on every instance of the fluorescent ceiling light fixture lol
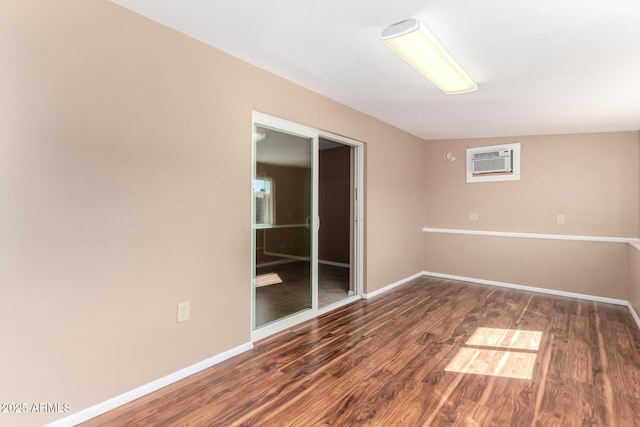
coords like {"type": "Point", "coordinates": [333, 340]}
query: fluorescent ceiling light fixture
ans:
{"type": "Point", "coordinates": [411, 41]}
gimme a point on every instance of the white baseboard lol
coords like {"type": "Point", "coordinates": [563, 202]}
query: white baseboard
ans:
{"type": "Point", "coordinates": [272, 263]}
{"type": "Point", "coordinates": [542, 291]}
{"type": "Point", "coordinates": [529, 288]}
{"type": "Point", "coordinates": [334, 263]}
{"type": "Point", "coordinates": [132, 395]}
{"type": "Point", "coordinates": [290, 259]}
{"type": "Point", "coordinates": [634, 314]}
{"type": "Point", "coordinates": [391, 286]}
{"type": "Point", "coordinates": [287, 256]}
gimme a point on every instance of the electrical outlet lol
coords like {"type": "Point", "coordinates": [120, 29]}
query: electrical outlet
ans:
{"type": "Point", "coordinates": [183, 311]}
{"type": "Point", "coordinates": [560, 218]}
{"type": "Point", "coordinates": [473, 216]}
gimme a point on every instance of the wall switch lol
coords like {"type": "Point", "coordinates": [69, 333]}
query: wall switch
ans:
{"type": "Point", "coordinates": [473, 216]}
{"type": "Point", "coordinates": [183, 311]}
{"type": "Point", "coordinates": [560, 218]}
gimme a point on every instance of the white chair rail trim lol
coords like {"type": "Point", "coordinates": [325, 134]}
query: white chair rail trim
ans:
{"type": "Point", "coordinates": [605, 239]}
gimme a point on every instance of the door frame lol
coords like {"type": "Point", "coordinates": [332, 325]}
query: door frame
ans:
{"type": "Point", "coordinates": [357, 220]}
{"type": "Point", "coordinates": [259, 118]}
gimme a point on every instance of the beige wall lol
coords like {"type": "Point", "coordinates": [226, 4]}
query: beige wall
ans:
{"type": "Point", "coordinates": [590, 178]}
{"type": "Point", "coordinates": [125, 155]}
{"type": "Point", "coordinates": [590, 268]}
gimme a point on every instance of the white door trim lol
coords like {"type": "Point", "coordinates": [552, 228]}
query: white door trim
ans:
{"type": "Point", "coordinates": [358, 238]}
{"type": "Point", "coordinates": [314, 311]}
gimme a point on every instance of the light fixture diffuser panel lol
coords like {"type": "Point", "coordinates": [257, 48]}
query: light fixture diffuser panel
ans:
{"type": "Point", "coordinates": [420, 49]}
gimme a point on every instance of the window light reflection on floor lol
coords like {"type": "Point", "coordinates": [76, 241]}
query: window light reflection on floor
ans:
{"type": "Point", "coordinates": [506, 338]}
{"type": "Point", "coordinates": [490, 351]}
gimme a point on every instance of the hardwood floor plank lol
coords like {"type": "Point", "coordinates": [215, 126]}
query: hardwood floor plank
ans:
{"type": "Point", "coordinates": [580, 365]}
{"type": "Point", "coordinates": [509, 311]}
{"type": "Point", "coordinates": [623, 367]}
{"type": "Point", "coordinates": [607, 386]}
{"type": "Point", "coordinates": [387, 362]}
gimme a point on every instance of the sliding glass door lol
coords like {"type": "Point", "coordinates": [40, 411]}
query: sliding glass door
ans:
{"type": "Point", "coordinates": [294, 278]}
{"type": "Point", "coordinates": [284, 226]}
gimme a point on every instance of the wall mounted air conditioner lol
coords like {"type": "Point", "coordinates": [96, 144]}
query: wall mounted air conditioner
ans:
{"type": "Point", "coordinates": [495, 161]}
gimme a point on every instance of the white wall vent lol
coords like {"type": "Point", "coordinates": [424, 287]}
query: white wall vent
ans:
{"type": "Point", "coordinates": [494, 163]}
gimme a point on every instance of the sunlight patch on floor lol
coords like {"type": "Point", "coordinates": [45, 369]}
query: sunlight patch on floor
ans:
{"type": "Point", "coordinates": [510, 364]}
{"type": "Point", "coordinates": [490, 351]}
{"type": "Point", "coordinates": [268, 279]}
{"type": "Point", "coordinates": [506, 338]}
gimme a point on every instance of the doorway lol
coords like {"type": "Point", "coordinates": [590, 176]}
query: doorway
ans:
{"type": "Point", "coordinates": [335, 208]}
{"type": "Point", "coordinates": [306, 228]}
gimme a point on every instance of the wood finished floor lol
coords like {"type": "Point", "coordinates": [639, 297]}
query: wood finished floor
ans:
{"type": "Point", "coordinates": [381, 362]}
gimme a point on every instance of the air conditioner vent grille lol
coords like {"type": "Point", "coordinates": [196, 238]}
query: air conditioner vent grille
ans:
{"type": "Point", "coordinates": [486, 155]}
{"type": "Point", "coordinates": [499, 161]}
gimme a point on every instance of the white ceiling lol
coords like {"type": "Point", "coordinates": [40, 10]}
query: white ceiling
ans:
{"type": "Point", "coordinates": [542, 66]}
